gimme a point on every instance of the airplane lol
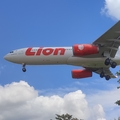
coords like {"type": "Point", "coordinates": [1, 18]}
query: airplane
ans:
{"type": "Point", "coordinates": [97, 57]}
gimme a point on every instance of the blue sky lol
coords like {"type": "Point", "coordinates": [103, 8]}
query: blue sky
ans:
{"type": "Point", "coordinates": [27, 23]}
{"type": "Point", "coordinates": [47, 23]}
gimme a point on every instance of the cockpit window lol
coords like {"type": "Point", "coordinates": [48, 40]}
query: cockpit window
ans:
{"type": "Point", "coordinates": [11, 52]}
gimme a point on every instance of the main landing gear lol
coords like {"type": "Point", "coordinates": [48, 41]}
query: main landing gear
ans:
{"type": "Point", "coordinates": [23, 68]}
{"type": "Point", "coordinates": [107, 77]}
{"type": "Point", "coordinates": [107, 62]}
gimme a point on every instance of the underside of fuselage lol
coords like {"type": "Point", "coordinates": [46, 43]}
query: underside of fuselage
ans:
{"type": "Point", "coordinates": [75, 61]}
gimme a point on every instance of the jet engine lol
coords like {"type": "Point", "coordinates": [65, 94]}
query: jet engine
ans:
{"type": "Point", "coordinates": [81, 73]}
{"type": "Point", "coordinates": [84, 49]}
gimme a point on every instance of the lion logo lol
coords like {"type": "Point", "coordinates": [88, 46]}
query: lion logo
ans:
{"type": "Point", "coordinates": [80, 47]}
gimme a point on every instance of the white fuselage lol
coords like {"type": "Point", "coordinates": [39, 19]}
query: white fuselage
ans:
{"type": "Point", "coordinates": [53, 56]}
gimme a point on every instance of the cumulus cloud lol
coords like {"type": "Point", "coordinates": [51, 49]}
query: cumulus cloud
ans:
{"type": "Point", "coordinates": [107, 100]}
{"type": "Point", "coordinates": [112, 8]}
{"type": "Point", "coordinates": [19, 100]}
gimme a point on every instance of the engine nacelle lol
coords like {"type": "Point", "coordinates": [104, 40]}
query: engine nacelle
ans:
{"type": "Point", "coordinates": [85, 49]}
{"type": "Point", "coordinates": [81, 73]}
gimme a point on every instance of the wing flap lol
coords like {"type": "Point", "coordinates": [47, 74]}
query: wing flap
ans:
{"type": "Point", "coordinates": [105, 70]}
{"type": "Point", "coordinates": [110, 40]}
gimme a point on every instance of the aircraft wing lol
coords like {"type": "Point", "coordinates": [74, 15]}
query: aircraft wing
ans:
{"type": "Point", "coordinates": [109, 41]}
{"type": "Point", "coordinates": [106, 71]}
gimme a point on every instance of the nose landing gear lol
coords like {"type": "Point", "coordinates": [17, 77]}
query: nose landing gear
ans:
{"type": "Point", "coordinates": [23, 68]}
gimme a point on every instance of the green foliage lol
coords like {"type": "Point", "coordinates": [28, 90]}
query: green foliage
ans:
{"type": "Point", "coordinates": [117, 119]}
{"type": "Point", "coordinates": [118, 87]}
{"type": "Point", "coordinates": [118, 102]}
{"type": "Point", "coordinates": [118, 74]}
{"type": "Point", "coordinates": [65, 117]}
{"type": "Point", "coordinates": [118, 81]}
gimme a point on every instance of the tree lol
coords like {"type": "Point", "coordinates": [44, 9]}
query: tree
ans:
{"type": "Point", "coordinates": [117, 119]}
{"type": "Point", "coordinates": [118, 102]}
{"type": "Point", "coordinates": [119, 83]}
{"type": "Point", "coordinates": [118, 74]}
{"type": "Point", "coordinates": [65, 117]}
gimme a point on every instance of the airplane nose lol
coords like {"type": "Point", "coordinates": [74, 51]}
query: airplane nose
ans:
{"type": "Point", "coordinates": [6, 57]}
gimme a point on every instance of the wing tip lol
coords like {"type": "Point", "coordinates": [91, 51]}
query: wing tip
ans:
{"type": "Point", "coordinates": [116, 76]}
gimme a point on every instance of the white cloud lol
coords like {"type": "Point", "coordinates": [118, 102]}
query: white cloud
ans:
{"type": "Point", "coordinates": [112, 8]}
{"type": "Point", "coordinates": [107, 100]}
{"type": "Point", "coordinates": [21, 101]}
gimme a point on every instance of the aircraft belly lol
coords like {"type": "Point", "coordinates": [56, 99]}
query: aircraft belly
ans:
{"type": "Point", "coordinates": [68, 58]}
{"type": "Point", "coordinates": [42, 60]}
{"type": "Point", "coordinates": [86, 62]}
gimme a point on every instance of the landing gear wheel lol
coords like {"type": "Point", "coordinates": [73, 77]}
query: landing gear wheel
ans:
{"type": "Point", "coordinates": [24, 69]}
{"type": "Point", "coordinates": [102, 74]}
{"type": "Point", "coordinates": [107, 77]}
{"type": "Point", "coordinates": [113, 64]}
{"type": "Point", "coordinates": [107, 61]}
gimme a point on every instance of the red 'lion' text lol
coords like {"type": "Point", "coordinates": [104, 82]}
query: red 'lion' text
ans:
{"type": "Point", "coordinates": [45, 51]}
